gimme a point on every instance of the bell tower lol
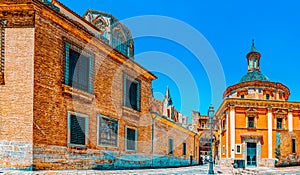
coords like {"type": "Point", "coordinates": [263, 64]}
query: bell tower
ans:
{"type": "Point", "coordinates": [253, 58]}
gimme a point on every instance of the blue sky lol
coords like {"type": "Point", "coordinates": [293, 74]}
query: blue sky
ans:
{"type": "Point", "coordinates": [229, 27]}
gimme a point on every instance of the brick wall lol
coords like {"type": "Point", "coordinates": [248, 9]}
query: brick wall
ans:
{"type": "Point", "coordinates": [35, 102]}
{"type": "Point", "coordinates": [52, 102]}
{"type": "Point", "coordinates": [16, 114]}
{"type": "Point", "coordinates": [164, 129]}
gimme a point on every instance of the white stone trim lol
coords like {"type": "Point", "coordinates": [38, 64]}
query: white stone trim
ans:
{"type": "Point", "coordinates": [226, 149]}
{"type": "Point", "coordinates": [236, 152]}
{"type": "Point", "coordinates": [270, 146]}
{"type": "Point", "coordinates": [232, 133]}
{"type": "Point", "coordinates": [290, 121]}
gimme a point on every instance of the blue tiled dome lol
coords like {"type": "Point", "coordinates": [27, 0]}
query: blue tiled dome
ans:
{"type": "Point", "coordinates": [253, 76]}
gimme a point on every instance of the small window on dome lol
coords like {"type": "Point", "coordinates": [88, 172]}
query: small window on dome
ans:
{"type": "Point", "coordinates": [268, 96]}
{"type": "Point", "coordinates": [251, 63]}
{"type": "Point", "coordinates": [242, 96]}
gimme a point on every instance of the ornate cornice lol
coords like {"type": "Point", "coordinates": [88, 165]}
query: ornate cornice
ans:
{"type": "Point", "coordinates": [268, 104]}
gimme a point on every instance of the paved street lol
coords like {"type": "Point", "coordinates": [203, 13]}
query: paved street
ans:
{"type": "Point", "coordinates": [183, 170]}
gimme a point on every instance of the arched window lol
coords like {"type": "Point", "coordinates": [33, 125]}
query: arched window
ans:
{"type": "Point", "coordinates": [119, 41]}
{"type": "Point", "coordinates": [251, 63]}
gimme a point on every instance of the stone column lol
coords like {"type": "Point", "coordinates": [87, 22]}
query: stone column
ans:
{"type": "Point", "coordinates": [270, 146]}
{"type": "Point", "coordinates": [232, 132]}
{"type": "Point", "coordinates": [227, 127]}
{"type": "Point", "coordinates": [258, 152]}
{"type": "Point", "coordinates": [290, 120]}
{"type": "Point", "coordinates": [244, 148]}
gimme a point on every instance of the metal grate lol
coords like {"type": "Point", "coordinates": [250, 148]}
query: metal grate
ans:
{"type": "Point", "coordinates": [108, 131]}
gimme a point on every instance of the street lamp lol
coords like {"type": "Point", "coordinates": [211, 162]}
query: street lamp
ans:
{"type": "Point", "coordinates": [211, 112]}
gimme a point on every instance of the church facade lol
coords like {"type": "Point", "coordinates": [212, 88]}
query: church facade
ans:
{"type": "Point", "coordinates": [257, 122]}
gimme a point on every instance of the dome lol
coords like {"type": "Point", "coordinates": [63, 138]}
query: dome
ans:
{"type": "Point", "coordinates": [254, 76]}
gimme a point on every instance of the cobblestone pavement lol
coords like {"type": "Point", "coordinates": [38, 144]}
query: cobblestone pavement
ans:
{"type": "Point", "coordinates": [174, 171]}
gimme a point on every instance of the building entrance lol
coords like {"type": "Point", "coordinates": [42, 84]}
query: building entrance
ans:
{"type": "Point", "coordinates": [251, 154]}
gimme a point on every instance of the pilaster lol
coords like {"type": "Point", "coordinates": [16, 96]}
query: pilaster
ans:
{"type": "Point", "coordinates": [232, 132]}
{"type": "Point", "coordinates": [290, 120]}
{"type": "Point", "coordinates": [270, 146]}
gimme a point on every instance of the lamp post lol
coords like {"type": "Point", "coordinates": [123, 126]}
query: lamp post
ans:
{"type": "Point", "coordinates": [211, 112]}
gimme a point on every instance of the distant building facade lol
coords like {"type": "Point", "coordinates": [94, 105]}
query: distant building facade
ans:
{"type": "Point", "coordinates": [72, 96]}
{"type": "Point", "coordinates": [170, 128]}
{"type": "Point", "coordinates": [257, 122]}
{"type": "Point", "coordinates": [202, 127]}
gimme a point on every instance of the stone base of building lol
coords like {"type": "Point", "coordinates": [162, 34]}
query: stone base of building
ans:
{"type": "Point", "coordinates": [46, 157]}
{"type": "Point", "coordinates": [267, 162]}
{"type": "Point", "coordinates": [17, 155]}
{"type": "Point", "coordinates": [261, 163]}
{"type": "Point", "coordinates": [226, 162]}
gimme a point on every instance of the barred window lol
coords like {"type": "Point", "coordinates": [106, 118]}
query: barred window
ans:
{"type": "Point", "coordinates": [78, 68]}
{"type": "Point", "coordinates": [107, 131]}
{"type": "Point", "coordinates": [77, 128]}
{"type": "Point", "coordinates": [131, 139]}
{"type": "Point", "coordinates": [131, 93]}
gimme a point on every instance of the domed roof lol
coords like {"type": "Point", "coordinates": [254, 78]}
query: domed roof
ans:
{"type": "Point", "coordinates": [253, 76]}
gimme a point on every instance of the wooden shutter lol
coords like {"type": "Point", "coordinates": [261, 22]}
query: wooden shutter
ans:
{"type": "Point", "coordinates": [130, 140]}
{"type": "Point", "coordinates": [78, 129]}
{"type": "Point", "coordinates": [67, 48]}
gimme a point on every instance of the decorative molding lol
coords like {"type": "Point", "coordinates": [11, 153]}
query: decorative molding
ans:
{"type": "Point", "coordinates": [241, 92]}
{"type": "Point", "coordinates": [269, 86]}
{"type": "Point", "coordinates": [77, 94]}
{"type": "Point", "coordinates": [279, 113]}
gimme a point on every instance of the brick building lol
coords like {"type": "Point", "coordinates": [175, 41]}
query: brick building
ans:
{"type": "Point", "coordinates": [170, 128]}
{"type": "Point", "coordinates": [72, 96]}
{"type": "Point", "coordinates": [258, 123]}
{"type": "Point", "coordinates": [201, 125]}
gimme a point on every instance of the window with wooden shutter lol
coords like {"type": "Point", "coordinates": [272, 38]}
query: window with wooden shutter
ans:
{"type": "Point", "coordinates": [78, 68]}
{"type": "Point", "coordinates": [171, 146]}
{"type": "Point", "coordinates": [131, 138]}
{"type": "Point", "coordinates": [184, 149]}
{"type": "Point", "coordinates": [293, 145]}
{"type": "Point", "coordinates": [131, 93]}
{"type": "Point", "coordinates": [78, 130]}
